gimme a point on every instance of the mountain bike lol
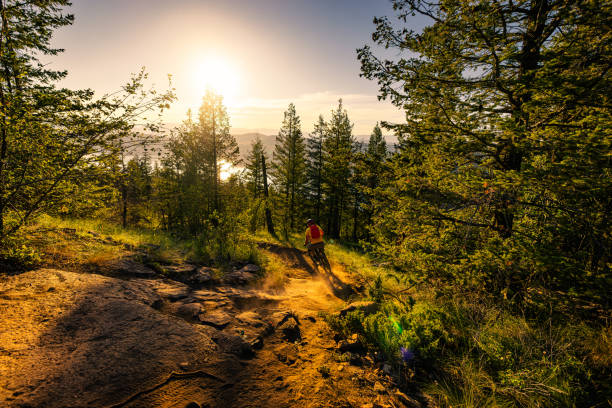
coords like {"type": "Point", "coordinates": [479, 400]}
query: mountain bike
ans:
{"type": "Point", "coordinates": [317, 254]}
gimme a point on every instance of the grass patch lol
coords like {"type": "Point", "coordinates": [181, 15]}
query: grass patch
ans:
{"type": "Point", "coordinates": [469, 351]}
{"type": "Point", "coordinates": [87, 245]}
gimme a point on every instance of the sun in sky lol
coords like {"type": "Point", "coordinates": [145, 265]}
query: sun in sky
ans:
{"type": "Point", "coordinates": [218, 74]}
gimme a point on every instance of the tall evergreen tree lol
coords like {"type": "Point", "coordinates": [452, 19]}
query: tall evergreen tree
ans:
{"type": "Point", "coordinates": [368, 172]}
{"type": "Point", "coordinates": [376, 155]}
{"type": "Point", "coordinates": [254, 169]}
{"type": "Point", "coordinates": [289, 167]}
{"type": "Point", "coordinates": [187, 184]}
{"type": "Point", "coordinates": [338, 152]}
{"type": "Point", "coordinates": [213, 128]}
{"type": "Point", "coordinates": [314, 170]}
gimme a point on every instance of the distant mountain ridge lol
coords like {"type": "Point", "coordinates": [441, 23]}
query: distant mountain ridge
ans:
{"type": "Point", "coordinates": [245, 140]}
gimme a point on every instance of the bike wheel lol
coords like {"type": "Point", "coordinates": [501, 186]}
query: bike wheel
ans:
{"type": "Point", "coordinates": [314, 257]}
{"type": "Point", "coordinates": [326, 264]}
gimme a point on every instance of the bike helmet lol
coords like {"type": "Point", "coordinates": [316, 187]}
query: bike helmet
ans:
{"type": "Point", "coordinates": [309, 221]}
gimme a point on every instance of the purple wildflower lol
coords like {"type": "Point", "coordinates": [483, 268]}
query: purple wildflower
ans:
{"type": "Point", "coordinates": [407, 354]}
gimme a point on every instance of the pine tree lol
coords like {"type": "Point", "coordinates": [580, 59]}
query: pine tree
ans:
{"type": "Point", "coordinates": [337, 153]}
{"type": "Point", "coordinates": [213, 129]}
{"type": "Point", "coordinates": [376, 154]}
{"type": "Point", "coordinates": [368, 172]}
{"type": "Point", "coordinates": [314, 170]}
{"type": "Point", "coordinates": [254, 175]}
{"type": "Point", "coordinates": [289, 167]}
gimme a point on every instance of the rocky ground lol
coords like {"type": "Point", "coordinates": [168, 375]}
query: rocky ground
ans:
{"type": "Point", "coordinates": [132, 337]}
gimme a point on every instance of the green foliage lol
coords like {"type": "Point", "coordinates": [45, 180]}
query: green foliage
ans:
{"type": "Point", "coordinates": [189, 194]}
{"type": "Point", "coordinates": [16, 255]}
{"type": "Point", "coordinates": [52, 139]}
{"type": "Point", "coordinates": [376, 291]}
{"type": "Point", "coordinates": [288, 170]}
{"type": "Point", "coordinates": [254, 175]}
{"type": "Point", "coordinates": [314, 168]}
{"type": "Point", "coordinates": [502, 179]}
{"type": "Point", "coordinates": [338, 149]}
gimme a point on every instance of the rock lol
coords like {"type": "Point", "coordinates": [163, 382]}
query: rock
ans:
{"type": "Point", "coordinates": [217, 319]}
{"type": "Point", "coordinates": [251, 268]}
{"type": "Point", "coordinates": [203, 276]}
{"type": "Point", "coordinates": [366, 307]}
{"type": "Point", "coordinates": [257, 343]}
{"type": "Point", "coordinates": [182, 269]}
{"type": "Point", "coordinates": [291, 332]}
{"type": "Point", "coordinates": [406, 400]}
{"type": "Point", "coordinates": [232, 344]}
{"type": "Point", "coordinates": [130, 267]}
{"type": "Point", "coordinates": [175, 294]}
{"type": "Point", "coordinates": [206, 296]}
{"type": "Point", "coordinates": [100, 342]}
{"type": "Point", "coordinates": [352, 345]}
{"type": "Point", "coordinates": [239, 278]}
{"type": "Point", "coordinates": [387, 369]}
{"type": "Point", "coordinates": [190, 310]}
{"type": "Point", "coordinates": [354, 359]}
{"type": "Point", "coordinates": [290, 328]}
{"type": "Point", "coordinates": [278, 318]}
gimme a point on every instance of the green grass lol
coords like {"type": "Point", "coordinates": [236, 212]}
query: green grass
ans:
{"type": "Point", "coordinates": [470, 351]}
{"type": "Point", "coordinates": [74, 243]}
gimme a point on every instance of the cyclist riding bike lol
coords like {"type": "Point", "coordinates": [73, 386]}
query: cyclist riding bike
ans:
{"type": "Point", "coordinates": [314, 243]}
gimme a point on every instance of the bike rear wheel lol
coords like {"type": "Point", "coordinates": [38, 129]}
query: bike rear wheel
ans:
{"type": "Point", "coordinates": [323, 259]}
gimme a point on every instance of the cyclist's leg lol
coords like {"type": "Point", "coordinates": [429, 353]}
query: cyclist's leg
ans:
{"type": "Point", "coordinates": [312, 254]}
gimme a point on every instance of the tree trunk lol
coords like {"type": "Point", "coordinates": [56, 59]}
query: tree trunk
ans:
{"type": "Point", "coordinates": [124, 197]}
{"type": "Point", "coordinates": [215, 165]}
{"type": "Point", "coordinates": [269, 222]}
{"type": "Point", "coordinates": [3, 142]}
{"type": "Point", "coordinates": [355, 213]}
{"type": "Point", "coordinates": [512, 157]}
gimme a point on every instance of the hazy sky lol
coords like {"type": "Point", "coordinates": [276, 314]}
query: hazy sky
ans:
{"type": "Point", "coordinates": [266, 54]}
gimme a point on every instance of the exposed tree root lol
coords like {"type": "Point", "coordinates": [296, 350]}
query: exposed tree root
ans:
{"type": "Point", "coordinates": [173, 376]}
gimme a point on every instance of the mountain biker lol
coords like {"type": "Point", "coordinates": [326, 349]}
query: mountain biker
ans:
{"type": "Point", "coordinates": [314, 237]}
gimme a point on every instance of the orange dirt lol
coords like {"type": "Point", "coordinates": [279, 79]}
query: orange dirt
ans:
{"type": "Point", "coordinates": [145, 355]}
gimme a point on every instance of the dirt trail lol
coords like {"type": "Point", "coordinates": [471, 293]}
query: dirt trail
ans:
{"type": "Point", "coordinates": [183, 347]}
{"type": "Point", "coordinates": [290, 371]}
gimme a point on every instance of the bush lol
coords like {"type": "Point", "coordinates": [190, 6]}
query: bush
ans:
{"type": "Point", "coordinates": [16, 255]}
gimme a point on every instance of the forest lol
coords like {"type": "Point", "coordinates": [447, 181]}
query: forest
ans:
{"type": "Point", "coordinates": [482, 236]}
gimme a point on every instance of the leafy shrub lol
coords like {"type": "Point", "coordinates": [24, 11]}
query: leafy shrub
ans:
{"type": "Point", "coordinates": [419, 329]}
{"type": "Point", "coordinates": [16, 255]}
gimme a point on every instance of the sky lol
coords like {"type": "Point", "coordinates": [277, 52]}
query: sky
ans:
{"type": "Point", "coordinates": [260, 54]}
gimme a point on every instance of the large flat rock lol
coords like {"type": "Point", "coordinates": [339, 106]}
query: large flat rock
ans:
{"type": "Point", "coordinates": [69, 339]}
